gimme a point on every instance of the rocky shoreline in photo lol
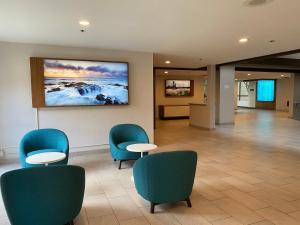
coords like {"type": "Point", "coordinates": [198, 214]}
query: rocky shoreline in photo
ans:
{"type": "Point", "coordinates": [84, 89]}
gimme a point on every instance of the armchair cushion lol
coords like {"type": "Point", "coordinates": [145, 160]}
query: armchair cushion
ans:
{"type": "Point", "coordinates": [42, 151]}
{"type": "Point", "coordinates": [123, 145]}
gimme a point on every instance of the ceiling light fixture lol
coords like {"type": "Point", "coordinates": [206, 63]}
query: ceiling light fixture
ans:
{"type": "Point", "coordinates": [166, 72]}
{"type": "Point", "coordinates": [167, 62]}
{"type": "Point", "coordinates": [249, 74]}
{"type": "Point", "coordinates": [282, 75]}
{"type": "Point", "coordinates": [84, 23]}
{"type": "Point", "coordinates": [243, 40]}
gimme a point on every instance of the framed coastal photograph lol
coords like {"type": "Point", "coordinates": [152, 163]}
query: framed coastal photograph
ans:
{"type": "Point", "coordinates": [179, 88]}
{"type": "Point", "coordinates": [81, 82]}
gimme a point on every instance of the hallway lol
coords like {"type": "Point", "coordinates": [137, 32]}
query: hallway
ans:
{"type": "Point", "coordinates": [264, 129]}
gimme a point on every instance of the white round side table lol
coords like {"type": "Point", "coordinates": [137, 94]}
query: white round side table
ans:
{"type": "Point", "coordinates": [45, 158]}
{"type": "Point", "coordinates": [141, 148]}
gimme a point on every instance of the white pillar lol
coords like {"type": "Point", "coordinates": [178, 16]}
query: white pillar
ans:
{"type": "Point", "coordinates": [291, 94]}
{"type": "Point", "coordinates": [296, 102]}
{"type": "Point", "coordinates": [225, 95]}
{"type": "Point", "coordinates": [211, 94]}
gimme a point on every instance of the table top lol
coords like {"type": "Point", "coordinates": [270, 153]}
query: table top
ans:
{"type": "Point", "coordinates": [141, 147]}
{"type": "Point", "coordinates": [45, 158]}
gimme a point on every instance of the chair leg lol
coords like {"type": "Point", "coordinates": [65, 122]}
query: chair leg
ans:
{"type": "Point", "coordinates": [70, 223]}
{"type": "Point", "coordinates": [120, 164]}
{"type": "Point", "coordinates": [188, 202]}
{"type": "Point", "coordinates": [152, 207]}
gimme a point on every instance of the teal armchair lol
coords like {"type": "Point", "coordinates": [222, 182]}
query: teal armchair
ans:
{"type": "Point", "coordinates": [43, 140]}
{"type": "Point", "coordinates": [122, 135]}
{"type": "Point", "coordinates": [165, 177]}
{"type": "Point", "coordinates": [51, 195]}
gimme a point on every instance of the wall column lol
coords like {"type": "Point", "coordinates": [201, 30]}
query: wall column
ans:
{"type": "Point", "coordinates": [203, 115]}
{"type": "Point", "coordinates": [296, 97]}
{"type": "Point", "coordinates": [225, 95]}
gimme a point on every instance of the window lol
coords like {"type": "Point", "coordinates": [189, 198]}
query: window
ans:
{"type": "Point", "coordinates": [265, 91]}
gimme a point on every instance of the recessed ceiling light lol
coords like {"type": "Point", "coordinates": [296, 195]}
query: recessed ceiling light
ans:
{"type": "Point", "coordinates": [282, 75]}
{"type": "Point", "coordinates": [166, 72]}
{"type": "Point", "coordinates": [249, 74]}
{"type": "Point", "coordinates": [167, 62]}
{"type": "Point", "coordinates": [253, 3]}
{"type": "Point", "coordinates": [243, 40]}
{"type": "Point", "coordinates": [84, 23]}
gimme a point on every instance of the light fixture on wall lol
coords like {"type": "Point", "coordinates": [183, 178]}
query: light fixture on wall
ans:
{"type": "Point", "coordinates": [249, 74]}
{"type": "Point", "coordinates": [167, 62]}
{"type": "Point", "coordinates": [166, 72]}
{"type": "Point", "coordinates": [282, 75]}
{"type": "Point", "coordinates": [243, 40]}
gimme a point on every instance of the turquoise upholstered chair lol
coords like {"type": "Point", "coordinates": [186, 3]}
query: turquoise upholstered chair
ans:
{"type": "Point", "coordinates": [165, 177]}
{"type": "Point", "coordinates": [121, 136]}
{"type": "Point", "coordinates": [43, 140]}
{"type": "Point", "coordinates": [51, 195]}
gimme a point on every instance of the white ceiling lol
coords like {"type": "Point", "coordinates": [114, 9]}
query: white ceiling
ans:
{"type": "Point", "coordinates": [160, 72]}
{"type": "Point", "coordinates": [178, 30]}
{"type": "Point", "coordinates": [292, 56]}
{"type": "Point", "coordinates": [243, 75]}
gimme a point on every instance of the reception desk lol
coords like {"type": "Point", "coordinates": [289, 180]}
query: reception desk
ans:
{"type": "Point", "coordinates": [169, 112]}
{"type": "Point", "coordinates": [200, 116]}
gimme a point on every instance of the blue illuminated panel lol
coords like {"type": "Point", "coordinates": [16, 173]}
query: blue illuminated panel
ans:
{"type": "Point", "coordinates": [265, 91]}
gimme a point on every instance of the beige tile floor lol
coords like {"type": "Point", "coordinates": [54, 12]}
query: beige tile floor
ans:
{"type": "Point", "coordinates": [246, 174]}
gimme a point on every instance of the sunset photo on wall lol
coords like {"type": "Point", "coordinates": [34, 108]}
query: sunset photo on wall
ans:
{"type": "Point", "coordinates": [74, 82]}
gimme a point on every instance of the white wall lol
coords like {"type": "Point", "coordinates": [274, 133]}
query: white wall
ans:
{"type": "Point", "coordinates": [84, 126]}
{"type": "Point", "coordinates": [160, 91]}
{"type": "Point", "coordinates": [283, 94]}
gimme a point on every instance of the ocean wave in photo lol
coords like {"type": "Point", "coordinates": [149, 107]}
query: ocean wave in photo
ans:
{"type": "Point", "coordinates": [86, 91]}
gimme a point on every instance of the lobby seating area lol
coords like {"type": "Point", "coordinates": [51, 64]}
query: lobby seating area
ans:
{"type": "Point", "coordinates": [248, 180]}
{"type": "Point", "coordinates": [149, 112]}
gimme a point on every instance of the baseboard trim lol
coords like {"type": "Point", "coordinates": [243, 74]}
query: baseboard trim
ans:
{"type": "Point", "coordinates": [202, 128]}
{"type": "Point", "coordinates": [230, 123]}
{"type": "Point", "coordinates": [13, 152]}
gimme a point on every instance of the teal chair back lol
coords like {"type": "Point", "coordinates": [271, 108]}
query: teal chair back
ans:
{"type": "Point", "coordinates": [43, 140]}
{"type": "Point", "coordinates": [128, 132]}
{"type": "Point", "coordinates": [165, 177]}
{"type": "Point", "coordinates": [50, 195]}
